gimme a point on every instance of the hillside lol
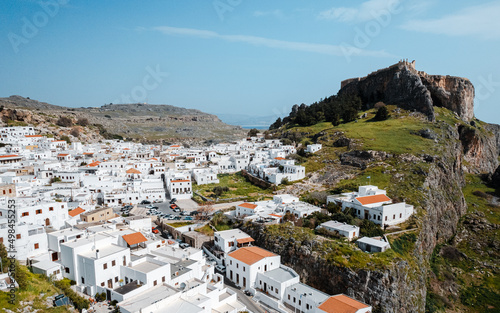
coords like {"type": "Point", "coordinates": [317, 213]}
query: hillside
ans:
{"type": "Point", "coordinates": [440, 160]}
{"type": "Point", "coordinates": [145, 122]}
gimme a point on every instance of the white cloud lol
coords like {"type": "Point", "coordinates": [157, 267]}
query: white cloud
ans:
{"type": "Point", "coordinates": [481, 20]}
{"type": "Point", "coordinates": [275, 13]}
{"type": "Point", "coordinates": [334, 50]}
{"type": "Point", "coordinates": [366, 11]}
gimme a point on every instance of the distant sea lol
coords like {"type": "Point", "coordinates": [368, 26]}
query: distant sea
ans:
{"type": "Point", "coordinates": [255, 126]}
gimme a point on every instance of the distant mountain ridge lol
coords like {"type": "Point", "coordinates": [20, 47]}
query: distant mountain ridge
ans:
{"type": "Point", "coordinates": [140, 121]}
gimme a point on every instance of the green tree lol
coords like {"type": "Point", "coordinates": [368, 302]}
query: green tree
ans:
{"type": "Point", "coordinates": [382, 114]}
{"type": "Point", "coordinates": [66, 138]}
{"type": "Point", "coordinates": [253, 132]}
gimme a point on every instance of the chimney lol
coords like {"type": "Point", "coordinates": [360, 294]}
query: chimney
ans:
{"type": "Point", "coordinates": [97, 253]}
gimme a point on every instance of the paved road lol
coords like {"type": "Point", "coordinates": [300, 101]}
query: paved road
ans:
{"type": "Point", "coordinates": [243, 298]}
{"type": "Point", "coordinates": [222, 206]}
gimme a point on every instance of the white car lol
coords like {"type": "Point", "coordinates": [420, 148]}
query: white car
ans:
{"type": "Point", "coordinates": [220, 268]}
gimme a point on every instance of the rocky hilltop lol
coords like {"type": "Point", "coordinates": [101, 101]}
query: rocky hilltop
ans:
{"type": "Point", "coordinates": [402, 85]}
{"type": "Point", "coordinates": [145, 122]}
{"type": "Point", "coordinates": [429, 151]}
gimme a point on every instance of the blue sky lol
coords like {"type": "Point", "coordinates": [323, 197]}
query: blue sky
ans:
{"type": "Point", "coordinates": [250, 57]}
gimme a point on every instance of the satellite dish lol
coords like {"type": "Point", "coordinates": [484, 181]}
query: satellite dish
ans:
{"type": "Point", "coordinates": [182, 286]}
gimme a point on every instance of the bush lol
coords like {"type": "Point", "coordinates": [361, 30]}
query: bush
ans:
{"type": "Point", "coordinates": [55, 180]}
{"type": "Point", "coordinates": [82, 121]}
{"type": "Point", "coordinates": [370, 229]}
{"type": "Point", "coordinates": [382, 114]}
{"type": "Point", "coordinates": [99, 297]}
{"type": "Point", "coordinates": [64, 121]}
{"type": "Point", "coordinates": [66, 138]}
{"type": "Point", "coordinates": [78, 301]}
{"type": "Point", "coordinates": [75, 132]}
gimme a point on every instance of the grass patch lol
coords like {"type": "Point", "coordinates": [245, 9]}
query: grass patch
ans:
{"type": "Point", "coordinates": [179, 224]}
{"type": "Point", "coordinates": [394, 135]}
{"type": "Point", "coordinates": [206, 229]}
{"type": "Point", "coordinates": [478, 195]}
{"type": "Point", "coordinates": [39, 288]}
{"type": "Point", "coordinates": [239, 188]}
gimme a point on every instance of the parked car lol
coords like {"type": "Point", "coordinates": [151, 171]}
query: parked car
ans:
{"type": "Point", "coordinates": [184, 213]}
{"type": "Point", "coordinates": [176, 210]}
{"type": "Point", "coordinates": [145, 202]}
{"type": "Point", "coordinates": [154, 207]}
{"type": "Point", "coordinates": [177, 217]}
{"type": "Point", "coordinates": [188, 218]}
{"type": "Point", "coordinates": [193, 213]}
{"type": "Point", "coordinates": [220, 268]}
{"type": "Point", "coordinates": [173, 200]}
{"type": "Point", "coordinates": [184, 245]}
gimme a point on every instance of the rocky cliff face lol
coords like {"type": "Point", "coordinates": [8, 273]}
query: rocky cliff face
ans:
{"type": "Point", "coordinates": [401, 84]}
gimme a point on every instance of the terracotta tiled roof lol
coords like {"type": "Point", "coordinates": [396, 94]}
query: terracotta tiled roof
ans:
{"type": "Point", "coordinates": [341, 304]}
{"type": "Point", "coordinates": [373, 199]}
{"type": "Point", "coordinates": [279, 158]}
{"type": "Point", "coordinates": [94, 164]}
{"type": "Point", "coordinates": [62, 154]}
{"type": "Point", "coordinates": [276, 215]}
{"type": "Point", "coordinates": [32, 136]}
{"type": "Point", "coordinates": [134, 238]}
{"type": "Point", "coordinates": [76, 211]}
{"type": "Point", "coordinates": [181, 181]}
{"type": "Point", "coordinates": [133, 171]}
{"type": "Point", "coordinates": [245, 240]}
{"type": "Point", "coordinates": [248, 205]}
{"type": "Point", "coordinates": [251, 255]}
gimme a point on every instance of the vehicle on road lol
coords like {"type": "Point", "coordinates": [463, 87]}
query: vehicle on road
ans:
{"type": "Point", "coordinates": [184, 245]}
{"type": "Point", "coordinates": [173, 200]}
{"type": "Point", "coordinates": [220, 268]}
{"type": "Point", "coordinates": [188, 218]}
{"type": "Point", "coordinates": [145, 202]}
{"type": "Point", "coordinates": [185, 213]}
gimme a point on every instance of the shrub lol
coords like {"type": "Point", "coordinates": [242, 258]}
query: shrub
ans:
{"type": "Point", "coordinates": [370, 229]}
{"type": "Point", "coordinates": [78, 301]}
{"type": "Point", "coordinates": [75, 132]}
{"type": "Point", "coordinates": [66, 138]}
{"type": "Point", "coordinates": [82, 121]}
{"type": "Point", "coordinates": [382, 114]}
{"type": "Point", "coordinates": [64, 121]}
{"type": "Point", "coordinates": [55, 180]}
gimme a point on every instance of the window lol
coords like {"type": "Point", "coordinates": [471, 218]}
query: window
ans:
{"type": "Point", "coordinates": [113, 263]}
{"type": "Point", "coordinates": [39, 211]}
{"type": "Point", "coordinates": [237, 265]}
{"type": "Point", "coordinates": [394, 216]}
{"type": "Point", "coordinates": [300, 302]}
{"type": "Point", "coordinates": [155, 283]}
{"type": "Point", "coordinates": [293, 299]}
{"type": "Point", "coordinates": [66, 269]}
{"type": "Point", "coordinates": [116, 279]}
{"type": "Point", "coordinates": [288, 297]}
{"type": "Point", "coordinates": [25, 214]}
{"type": "Point", "coordinates": [124, 261]}
{"type": "Point", "coordinates": [18, 236]}
{"type": "Point", "coordinates": [83, 280]}
{"type": "Point", "coordinates": [163, 279]}
{"type": "Point", "coordinates": [36, 246]}
{"type": "Point", "coordinates": [102, 284]}
{"type": "Point", "coordinates": [400, 215]}
{"type": "Point", "coordinates": [276, 290]}
{"type": "Point", "coordinates": [105, 266]}
{"type": "Point", "coordinates": [386, 218]}
{"type": "Point", "coordinates": [243, 268]}
{"type": "Point", "coordinates": [51, 208]}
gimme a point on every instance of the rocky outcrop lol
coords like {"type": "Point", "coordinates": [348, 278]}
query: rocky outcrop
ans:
{"type": "Point", "coordinates": [402, 85]}
{"type": "Point", "coordinates": [479, 149]}
{"type": "Point", "coordinates": [453, 93]}
{"type": "Point", "coordinates": [361, 159]}
{"type": "Point", "coordinates": [398, 288]}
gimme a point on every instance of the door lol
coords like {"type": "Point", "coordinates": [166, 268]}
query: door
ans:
{"type": "Point", "coordinates": [55, 257]}
{"type": "Point", "coordinates": [110, 283]}
{"type": "Point", "coordinates": [366, 214]}
{"type": "Point", "coordinates": [265, 287]}
{"type": "Point", "coordinates": [47, 222]}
